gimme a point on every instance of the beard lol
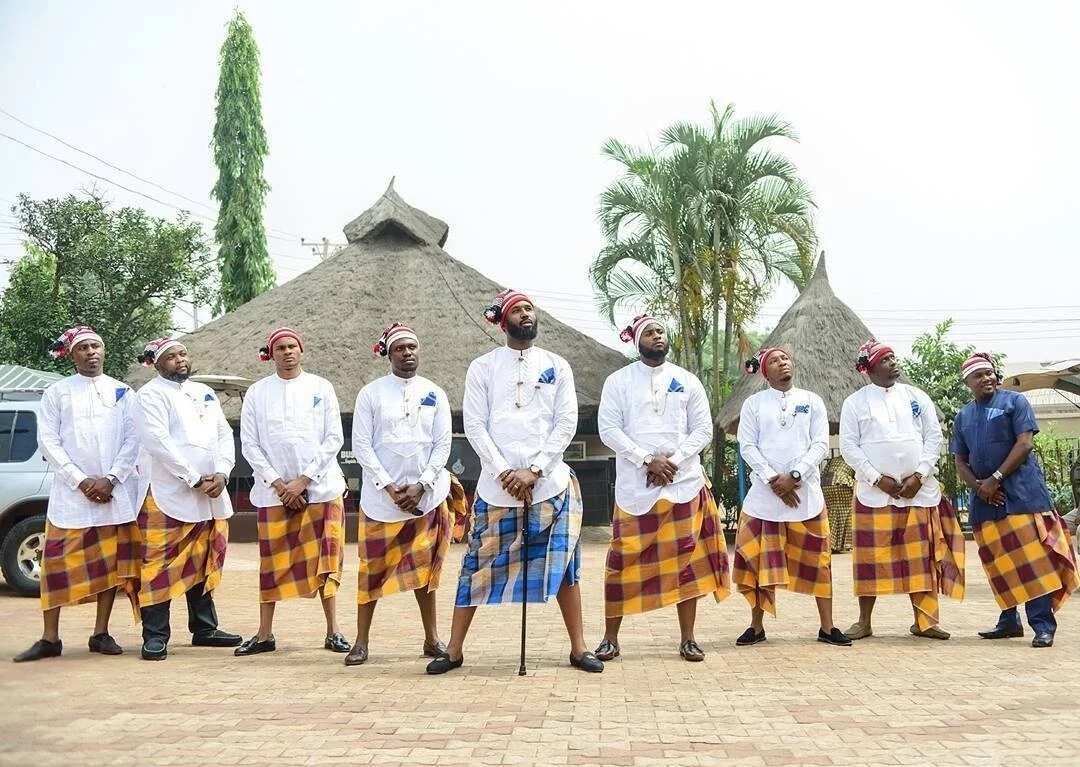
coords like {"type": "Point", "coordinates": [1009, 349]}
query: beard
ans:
{"type": "Point", "coordinates": [176, 377]}
{"type": "Point", "coordinates": [518, 333]}
{"type": "Point", "coordinates": [654, 354]}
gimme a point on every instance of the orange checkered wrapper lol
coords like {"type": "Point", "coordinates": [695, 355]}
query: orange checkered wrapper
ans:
{"type": "Point", "coordinates": [909, 550]}
{"type": "Point", "coordinates": [178, 555]}
{"type": "Point", "coordinates": [402, 556]}
{"type": "Point", "coordinates": [674, 552]}
{"type": "Point", "coordinates": [792, 555]}
{"type": "Point", "coordinates": [1027, 556]}
{"type": "Point", "coordinates": [460, 508]}
{"type": "Point", "coordinates": [79, 564]}
{"type": "Point", "coordinates": [301, 551]}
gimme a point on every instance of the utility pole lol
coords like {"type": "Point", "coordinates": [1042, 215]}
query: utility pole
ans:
{"type": "Point", "coordinates": [323, 249]}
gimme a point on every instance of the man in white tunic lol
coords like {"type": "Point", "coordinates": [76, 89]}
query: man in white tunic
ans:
{"type": "Point", "coordinates": [783, 538]}
{"type": "Point", "coordinates": [290, 434]}
{"type": "Point", "coordinates": [667, 545]}
{"type": "Point", "coordinates": [86, 434]}
{"type": "Point", "coordinates": [188, 446]}
{"type": "Point", "coordinates": [401, 437]}
{"type": "Point", "coordinates": [520, 413]}
{"type": "Point", "coordinates": [907, 538]}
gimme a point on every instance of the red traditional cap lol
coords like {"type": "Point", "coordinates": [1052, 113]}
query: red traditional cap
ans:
{"type": "Point", "coordinates": [266, 353]}
{"type": "Point", "coordinates": [71, 338]}
{"type": "Point", "coordinates": [500, 308]}
{"type": "Point", "coordinates": [761, 361]}
{"type": "Point", "coordinates": [633, 331]}
{"type": "Point", "coordinates": [870, 353]}
{"type": "Point", "coordinates": [395, 331]}
{"type": "Point", "coordinates": [155, 349]}
{"type": "Point", "coordinates": [976, 362]}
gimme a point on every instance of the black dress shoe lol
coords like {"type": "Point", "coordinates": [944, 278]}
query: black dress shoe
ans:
{"type": "Point", "coordinates": [1044, 639]}
{"type": "Point", "coordinates": [216, 638]}
{"type": "Point", "coordinates": [42, 648]}
{"type": "Point", "coordinates": [154, 649]}
{"type": "Point", "coordinates": [607, 650]}
{"type": "Point", "coordinates": [1003, 632]}
{"type": "Point", "coordinates": [691, 651]}
{"type": "Point", "coordinates": [587, 662]}
{"type": "Point", "coordinates": [357, 656]}
{"type": "Point", "coordinates": [337, 643]}
{"type": "Point", "coordinates": [442, 664]}
{"type": "Point", "coordinates": [748, 638]}
{"type": "Point", "coordinates": [254, 646]}
{"type": "Point", "coordinates": [105, 644]}
{"type": "Point", "coordinates": [834, 637]}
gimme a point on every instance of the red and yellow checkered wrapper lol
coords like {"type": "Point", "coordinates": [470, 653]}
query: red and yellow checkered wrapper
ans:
{"type": "Point", "coordinates": [301, 552]}
{"type": "Point", "coordinates": [402, 556]}
{"type": "Point", "coordinates": [792, 555]}
{"type": "Point", "coordinates": [1027, 556]}
{"type": "Point", "coordinates": [672, 553]}
{"type": "Point", "coordinates": [78, 564]}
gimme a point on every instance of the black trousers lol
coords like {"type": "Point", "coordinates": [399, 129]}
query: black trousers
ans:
{"type": "Point", "coordinates": [202, 617]}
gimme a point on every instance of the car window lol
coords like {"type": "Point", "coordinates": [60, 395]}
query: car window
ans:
{"type": "Point", "coordinates": [24, 440]}
{"type": "Point", "coordinates": [7, 420]}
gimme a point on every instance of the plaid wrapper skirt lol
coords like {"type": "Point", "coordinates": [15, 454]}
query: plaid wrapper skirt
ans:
{"type": "Point", "coordinates": [492, 568]}
{"type": "Point", "coordinates": [178, 555]}
{"type": "Point", "coordinates": [912, 550]}
{"type": "Point", "coordinates": [402, 556]}
{"type": "Point", "coordinates": [78, 564]}
{"type": "Point", "coordinates": [459, 507]}
{"type": "Point", "coordinates": [302, 551]}
{"type": "Point", "coordinates": [1026, 556]}
{"type": "Point", "coordinates": [792, 555]}
{"type": "Point", "coordinates": [672, 553]}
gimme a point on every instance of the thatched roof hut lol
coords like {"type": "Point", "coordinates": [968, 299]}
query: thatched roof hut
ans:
{"type": "Point", "coordinates": [393, 269]}
{"type": "Point", "coordinates": [824, 335]}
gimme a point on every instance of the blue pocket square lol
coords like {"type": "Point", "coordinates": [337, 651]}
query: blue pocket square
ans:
{"type": "Point", "coordinates": [675, 386]}
{"type": "Point", "coordinates": [429, 400]}
{"type": "Point", "coordinates": [548, 376]}
{"type": "Point", "coordinates": [318, 399]}
{"type": "Point", "coordinates": [993, 412]}
{"type": "Point", "coordinates": [802, 409]}
{"type": "Point", "coordinates": [915, 409]}
{"type": "Point", "coordinates": [120, 392]}
{"type": "Point", "coordinates": [208, 398]}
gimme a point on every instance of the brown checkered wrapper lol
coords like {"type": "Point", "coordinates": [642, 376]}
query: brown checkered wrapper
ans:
{"type": "Point", "coordinates": [1027, 556]}
{"type": "Point", "coordinates": [792, 555]}
{"type": "Point", "coordinates": [78, 564]}
{"type": "Point", "coordinates": [672, 553]}
{"type": "Point", "coordinates": [460, 508]}
{"type": "Point", "coordinates": [178, 555]}
{"type": "Point", "coordinates": [301, 551]}
{"type": "Point", "coordinates": [911, 550]}
{"type": "Point", "coordinates": [402, 556]}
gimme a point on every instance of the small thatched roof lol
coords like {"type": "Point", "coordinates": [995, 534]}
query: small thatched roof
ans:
{"type": "Point", "coordinates": [394, 269]}
{"type": "Point", "coordinates": [824, 335]}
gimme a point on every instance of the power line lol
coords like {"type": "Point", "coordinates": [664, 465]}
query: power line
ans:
{"type": "Point", "coordinates": [121, 186]}
{"type": "Point", "coordinates": [135, 176]}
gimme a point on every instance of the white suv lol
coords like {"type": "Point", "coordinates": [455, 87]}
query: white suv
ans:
{"type": "Point", "coordinates": [25, 481]}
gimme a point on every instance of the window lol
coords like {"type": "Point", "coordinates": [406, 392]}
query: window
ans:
{"type": "Point", "coordinates": [18, 435]}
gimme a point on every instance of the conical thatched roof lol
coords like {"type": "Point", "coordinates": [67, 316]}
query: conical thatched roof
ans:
{"type": "Point", "coordinates": [394, 269]}
{"type": "Point", "coordinates": [824, 335]}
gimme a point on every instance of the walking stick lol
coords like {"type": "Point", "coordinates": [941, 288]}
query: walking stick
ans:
{"type": "Point", "coordinates": [525, 579]}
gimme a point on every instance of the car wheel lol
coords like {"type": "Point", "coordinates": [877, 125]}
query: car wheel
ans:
{"type": "Point", "coordinates": [20, 556]}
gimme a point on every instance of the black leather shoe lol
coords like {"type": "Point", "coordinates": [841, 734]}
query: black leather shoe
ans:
{"type": "Point", "coordinates": [154, 649]}
{"type": "Point", "coordinates": [216, 638]}
{"type": "Point", "coordinates": [1003, 632]}
{"type": "Point", "coordinates": [748, 638]}
{"type": "Point", "coordinates": [357, 656]}
{"type": "Point", "coordinates": [691, 651]}
{"type": "Point", "coordinates": [607, 650]}
{"type": "Point", "coordinates": [105, 644]}
{"type": "Point", "coordinates": [834, 637]}
{"type": "Point", "coordinates": [253, 646]}
{"type": "Point", "coordinates": [337, 643]}
{"type": "Point", "coordinates": [587, 662]}
{"type": "Point", "coordinates": [442, 664]}
{"type": "Point", "coordinates": [1045, 639]}
{"type": "Point", "coordinates": [42, 648]}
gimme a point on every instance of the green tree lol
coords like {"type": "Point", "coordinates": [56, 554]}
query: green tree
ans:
{"type": "Point", "coordinates": [934, 366]}
{"type": "Point", "coordinates": [120, 271]}
{"type": "Point", "coordinates": [240, 145]}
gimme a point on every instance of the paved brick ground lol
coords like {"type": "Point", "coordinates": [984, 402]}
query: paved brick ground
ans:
{"type": "Point", "coordinates": [891, 700]}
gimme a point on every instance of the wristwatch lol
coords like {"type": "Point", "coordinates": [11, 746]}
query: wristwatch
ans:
{"type": "Point", "coordinates": [998, 476]}
{"type": "Point", "coordinates": [648, 459]}
{"type": "Point", "coordinates": [536, 470]}
{"type": "Point", "coordinates": [796, 475]}
{"type": "Point", "coordinates": [112, 480]}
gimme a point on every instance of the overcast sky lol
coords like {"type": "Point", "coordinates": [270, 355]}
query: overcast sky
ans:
{"type": "Point", "coordinates": [939, 138]}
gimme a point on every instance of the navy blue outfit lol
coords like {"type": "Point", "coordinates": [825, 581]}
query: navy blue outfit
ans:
{"type": "Point", "coordinates": [985, 433]}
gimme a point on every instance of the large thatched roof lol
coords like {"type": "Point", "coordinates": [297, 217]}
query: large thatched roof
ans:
{"type": "Point", "coordinates": [824, 335]}
{"type": "Point", "coordinates": [394, 269]}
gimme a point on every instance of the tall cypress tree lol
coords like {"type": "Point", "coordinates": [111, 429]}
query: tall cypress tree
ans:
{"type": "Point", "coordinates": [239, 148]}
